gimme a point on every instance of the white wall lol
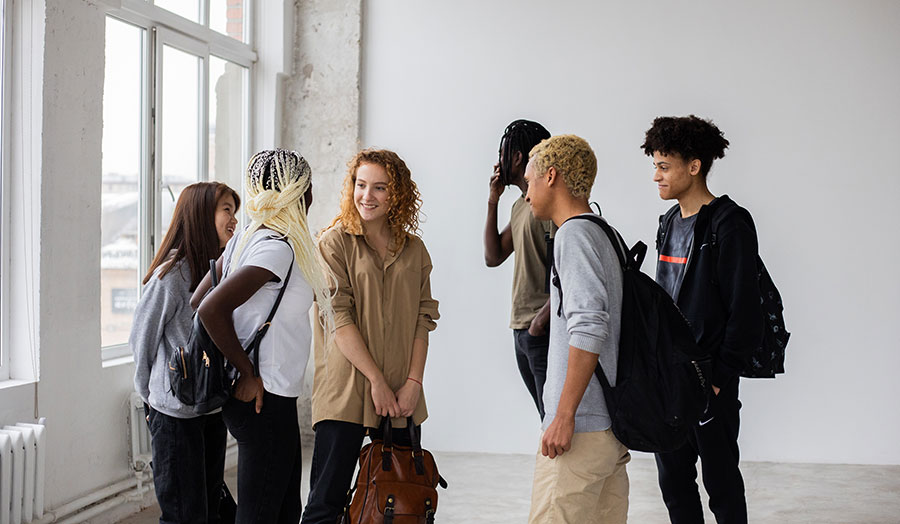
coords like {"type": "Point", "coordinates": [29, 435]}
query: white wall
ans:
{"type": "Point", "coordinates": [807, 92]}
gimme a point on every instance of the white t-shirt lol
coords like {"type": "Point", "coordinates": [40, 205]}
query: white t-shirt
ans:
{"type": "Point", "coordinates": [285, 348]}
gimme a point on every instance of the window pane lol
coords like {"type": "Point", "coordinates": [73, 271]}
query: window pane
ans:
{"type": "Point", "coordinates": [228, 17]}
{"type": "Point", "coordinates": [226, 121]}
{"type": "Point", "coordinates": [180, 127]}
{"type": "Point", "coordinates": [189, 9]}
{"type": "Point", "coordinates": [119, 230]}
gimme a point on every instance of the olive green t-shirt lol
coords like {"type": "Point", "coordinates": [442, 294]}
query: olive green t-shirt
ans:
{"type": "Point", "coordinates": [529, 269]}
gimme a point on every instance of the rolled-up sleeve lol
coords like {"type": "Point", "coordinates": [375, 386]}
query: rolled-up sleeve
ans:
{"type": "Point", "coordinates": [428, 306]}
{"type": "Point", "coordinates": [333, 254]}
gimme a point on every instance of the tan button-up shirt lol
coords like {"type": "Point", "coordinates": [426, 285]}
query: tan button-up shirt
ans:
{"type": "Point", "coordinates": [390, 302]}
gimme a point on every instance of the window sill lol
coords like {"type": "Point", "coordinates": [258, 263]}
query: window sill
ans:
{"type": "Point", "coordinates": [119, 361]}
{"type": "Point", "coordinates": [11, 383]}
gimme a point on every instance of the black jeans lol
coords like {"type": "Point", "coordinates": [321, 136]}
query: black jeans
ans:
{"type": "Point", "coordinates": [335, 456]}
{"type": "Point", "coordinates": [715, 442]}
{"type": "Point", "coordinates": [188, 466]}
{"type": "Point", "coordinates": [269, 465]}
{"type": "Point", "coordinates": [531, 356]}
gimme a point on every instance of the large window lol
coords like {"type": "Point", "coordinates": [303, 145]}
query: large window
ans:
{"type": "Point", "coordinates": [175, 111]}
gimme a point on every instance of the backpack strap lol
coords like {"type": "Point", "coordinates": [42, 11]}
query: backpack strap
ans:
{"type": "Point", "coordinates": [213, 274]}
{"type": "Point", "coordinates": [664, 221]}
{"type": "Point", "coordinates": [615, 239]}
{"type": "Point", "coordinates": [631, 259]}
{"type": "Point", "coordinates": [558, 285]}
{"type": "Point", "coordinates": [261, 332]}
{"type": "Point", "coordinates": [721, 213]}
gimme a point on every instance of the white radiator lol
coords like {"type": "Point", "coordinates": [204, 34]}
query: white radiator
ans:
{"type": "Point", "coordinates": [22, 460]}
{"type": "Point", "coordinates": [139, 435]}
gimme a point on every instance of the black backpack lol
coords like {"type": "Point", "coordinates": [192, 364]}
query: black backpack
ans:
{"type": "Point", "coordinates": [767, 360]}
{"type": "Point", "coordinates": [199, 375]}
{"type": "Point", "coordinates": [661, 389]}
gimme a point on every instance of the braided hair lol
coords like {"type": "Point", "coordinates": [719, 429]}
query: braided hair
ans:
{"type": "Point", "coordinates": [520, 136]}
{"type": "Point", "coordinates": [277, 181]}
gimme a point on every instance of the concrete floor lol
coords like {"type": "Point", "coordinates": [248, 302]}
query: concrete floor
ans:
{"type": "Point", "coordinates": [489, 488]}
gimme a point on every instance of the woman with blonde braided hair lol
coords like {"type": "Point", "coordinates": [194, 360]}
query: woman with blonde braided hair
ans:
{"type": "Point", "coordinates": [274, 256]}
{"type": "Point", "coordinates": [383, 312]}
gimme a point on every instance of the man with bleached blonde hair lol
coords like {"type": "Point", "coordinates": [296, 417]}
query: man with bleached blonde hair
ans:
{"type": "Point", "coordinates": [579, 474]}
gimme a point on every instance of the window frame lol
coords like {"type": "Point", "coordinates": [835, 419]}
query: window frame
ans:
{"type": "Point", "coordinates": [163, 28]}
{"type": "Point", "coordinates": [5, 130]}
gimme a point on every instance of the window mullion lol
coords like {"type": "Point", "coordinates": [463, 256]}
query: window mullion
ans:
{"type": "Point", "coordinates": [203, 128]}
{"type": "Point", "coordinates": [157, 175]}
{"type": "Point", "coordinates": [149, 154]}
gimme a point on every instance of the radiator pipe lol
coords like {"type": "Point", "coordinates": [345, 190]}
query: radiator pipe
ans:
{"type": "Point", "coordinates": [119, 491]}
{"type": "Point", "coordinates": [118, 500]}
{"type": "Point", "coordinates": [97, 496]}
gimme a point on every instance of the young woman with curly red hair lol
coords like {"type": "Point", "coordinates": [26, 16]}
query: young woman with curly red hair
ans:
{"type": "Point", "coordinates": [383, 312]}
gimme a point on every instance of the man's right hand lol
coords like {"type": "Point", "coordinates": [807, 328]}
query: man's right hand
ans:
{"type": "Point", "coordinates": [497, 187]}
{"type": "Point", "coordinates": [558, 437]}
{"type": "Point", "coordinates": [384, 399]}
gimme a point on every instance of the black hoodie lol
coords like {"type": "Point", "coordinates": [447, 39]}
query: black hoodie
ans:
{"type": "Point", "coordinates": [719, 293]}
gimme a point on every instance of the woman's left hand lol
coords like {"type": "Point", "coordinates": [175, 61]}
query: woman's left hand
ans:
{"type": "Point", "coordinates": [249, 388]}
{"type": "Point", "coordinates": [408, 397]}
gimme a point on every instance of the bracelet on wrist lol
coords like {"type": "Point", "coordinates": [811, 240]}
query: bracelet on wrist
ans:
{"type": "Point", "coordinates": [419, 382]}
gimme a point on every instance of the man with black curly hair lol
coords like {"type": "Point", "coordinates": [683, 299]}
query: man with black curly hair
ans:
{"type": "Point", "coordinates": [707, 261]}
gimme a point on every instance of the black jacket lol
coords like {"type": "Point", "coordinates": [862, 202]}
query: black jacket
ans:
{"type": "Point", "coordinates": [719, 293]}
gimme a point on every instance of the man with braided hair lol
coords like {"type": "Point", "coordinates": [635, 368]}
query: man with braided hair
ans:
{"type": "Point", "coordinates": [527, 237]}
{"type": "Point", "coordinates": [259, 266]}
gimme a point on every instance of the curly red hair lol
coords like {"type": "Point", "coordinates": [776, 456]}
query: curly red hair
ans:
{"type": "Point", "coordinates": [403, 196]}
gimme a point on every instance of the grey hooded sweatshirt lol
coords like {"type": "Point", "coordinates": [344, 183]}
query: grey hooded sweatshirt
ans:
{"type": "Point", "coordinates": [162, 322]}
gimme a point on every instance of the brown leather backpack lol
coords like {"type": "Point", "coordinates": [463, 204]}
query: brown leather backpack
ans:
{"type": "Point", "coordinates": [396, 484]}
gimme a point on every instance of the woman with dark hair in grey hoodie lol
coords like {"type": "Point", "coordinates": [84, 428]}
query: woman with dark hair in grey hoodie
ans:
{"type": "Point", "coordinates": [188, 449]}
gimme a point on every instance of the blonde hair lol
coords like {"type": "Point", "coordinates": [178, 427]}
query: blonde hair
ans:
{"type": "Point", "coordinates": [404, 201]}
{"type": "Point", "coordinates": [573, 159]}
{"type": "Point", "coordinates": [277, 181]}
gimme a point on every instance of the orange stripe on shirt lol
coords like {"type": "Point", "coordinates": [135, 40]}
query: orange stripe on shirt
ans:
{"type": "Point", "coordinates": [673, 260]}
